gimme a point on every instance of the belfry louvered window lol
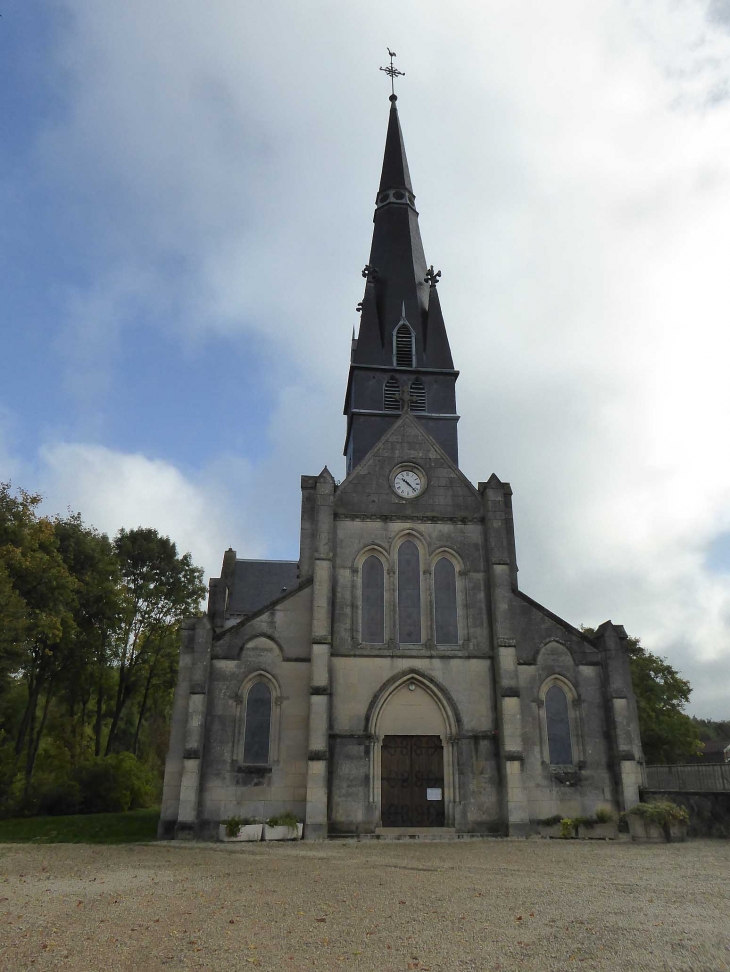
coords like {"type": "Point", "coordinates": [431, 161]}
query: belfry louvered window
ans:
{"type": "Point", "coordinates": [418, 396]}
{"type": "Point", "coordinates": [403, 349]}
{"type": "Point", "coordinates": [391, 395]}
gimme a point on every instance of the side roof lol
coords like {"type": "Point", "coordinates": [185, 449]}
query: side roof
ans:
{"type": "Point", "coordinates": [257, 582]}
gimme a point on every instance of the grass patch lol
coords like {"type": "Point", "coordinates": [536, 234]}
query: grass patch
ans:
{"type": "Point", "coordinates": [92, 828]}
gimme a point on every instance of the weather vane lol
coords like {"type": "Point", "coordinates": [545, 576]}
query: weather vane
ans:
{"type": "Point", "coordinates": [392, 73]}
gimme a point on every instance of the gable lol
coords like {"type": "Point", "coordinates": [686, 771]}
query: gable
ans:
{"type": "Point", "coordinates": [368, 489]}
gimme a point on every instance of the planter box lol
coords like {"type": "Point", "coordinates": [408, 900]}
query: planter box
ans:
{"type": "Point", "coordinates": [599, 831]}
{"type": "Point", "coordinates": [283, 833]}
{"type": "Point", "coordinates": [645, 830]}
{"type": "Point", "coordinates": [549, 830]}
{"type": "Point", "coordinates": [677, 831]}
{"type": "Point", "coordinates": [247, 832]}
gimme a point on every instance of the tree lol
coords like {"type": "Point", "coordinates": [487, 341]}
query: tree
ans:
{"type": "Point", "coordinates": [40, 596]}
{"type": "Point", "coordinates": [668, 734]}
{"type": "Point", "coordinates": [90, 558]}
{"type": "Point", "coordinates": [160, 589]}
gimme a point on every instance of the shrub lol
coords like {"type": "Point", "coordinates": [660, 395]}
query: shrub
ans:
{"type": "Point", "coordinates": [662, 812]}
{"type": "Point", "coordinates": [232, 825]}
{"type": "Point", "coordinates": [604, 815]}
{"type": "Point", "coordinates": [550, 821]}
{"type": "Point", "coordinates": [113, 784]}
{"type": "Point", "coordinates": [286, 819]}
{"type": "Point", "coordinates": [59, 799]}
{"type": "Point", "coordinates": [589, 822]}
{"type": "Point", "coordinates": [567, 827]}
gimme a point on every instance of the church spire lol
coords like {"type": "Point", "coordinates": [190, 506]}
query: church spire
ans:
{"type": "Point", "coordinates": [401, 325]}
{"type": "Point", "coordinates": [395, 174]}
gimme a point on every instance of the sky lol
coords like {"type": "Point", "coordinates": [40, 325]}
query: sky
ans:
{"type": "Point", "coordinates": [187, 192]}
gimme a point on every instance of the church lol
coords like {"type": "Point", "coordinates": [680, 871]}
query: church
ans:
{"type": "Point", "coordinates": [395, 679]}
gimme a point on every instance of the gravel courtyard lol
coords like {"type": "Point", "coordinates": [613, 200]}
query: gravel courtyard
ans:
{"type": "Point", "coordinates": [468, 905]}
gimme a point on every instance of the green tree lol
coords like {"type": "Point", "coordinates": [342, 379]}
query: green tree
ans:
{"type": "Point", "coordinates": [160, 589]}
{"type": "Point", "coordinates": [668, 734]}
{"type": "Point", "coordinates": [41, 601]}
{"type": "Point", "coordinates": [98, 614]}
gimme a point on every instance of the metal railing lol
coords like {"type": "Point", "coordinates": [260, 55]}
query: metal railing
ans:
{"type": "Point", "coordinates": [709, 778]}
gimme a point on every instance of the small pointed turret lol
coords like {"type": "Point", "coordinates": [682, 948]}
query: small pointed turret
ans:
{"type": "Point", "coordinates": [402, 335]}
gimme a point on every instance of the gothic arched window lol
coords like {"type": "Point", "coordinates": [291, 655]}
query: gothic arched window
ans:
{"type": "Point", "coordinates": [409, 594]}
{"type": "Point", "coordinates": [257, 730]}
{"type": "Point", "coordinates": [403, 345]}
{"type": "Point", "coordinates": [418, 396]}
{"type": "Point", "coordinates": [372, 622]}
{"type": "Point", "coordinates": [446, 615]}
{"type": "Point", "coordinates": [557, 718]}
{"type": "Point", "coordinates": [391, 395]}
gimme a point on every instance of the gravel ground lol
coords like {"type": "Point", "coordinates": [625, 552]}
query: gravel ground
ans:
{"type": "Point", "coordinates": [464, 905]}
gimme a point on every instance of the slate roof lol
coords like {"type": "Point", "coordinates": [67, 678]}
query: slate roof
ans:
{"type": "Point", "coordinates": [257, 582]}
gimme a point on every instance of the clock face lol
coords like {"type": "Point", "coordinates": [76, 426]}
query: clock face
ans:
{"type": "Point", "coordinates": [408, 483]}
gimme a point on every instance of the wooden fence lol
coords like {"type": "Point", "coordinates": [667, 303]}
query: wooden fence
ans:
{"type": "Point", "coordinates": [686, 777]}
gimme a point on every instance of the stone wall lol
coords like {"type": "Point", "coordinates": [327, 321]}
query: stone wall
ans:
{"type": "Point", "coordinates": [709, 813]}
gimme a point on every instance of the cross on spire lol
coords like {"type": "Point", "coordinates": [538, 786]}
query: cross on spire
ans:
{"type": "Point", "coordinates": [392, 73]}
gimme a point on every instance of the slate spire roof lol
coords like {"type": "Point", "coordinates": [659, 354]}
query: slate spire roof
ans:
{"type": "Point", "coordinates": [402, 342]}
{"type": "Point", "coordinates": [395, 164]}
{"type": "Point", "coordinates": [396, 269]}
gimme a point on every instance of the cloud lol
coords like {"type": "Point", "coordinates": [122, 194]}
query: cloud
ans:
{"type": "Point", "coordinates": [573, 179]}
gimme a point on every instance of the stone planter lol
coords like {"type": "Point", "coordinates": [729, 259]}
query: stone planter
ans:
{"type": "Point", "coordinates": [645, 830]}
{"type": "Point", "coordinates": [677, 831]}
{"type": "Point", "coordinates": [246, 832]}
{"type": "Point", "coordinates": [283, 833]}
{"type": "Point", "coordinates": [599, 831]}
{"type": "Point", "coordinates": [550, 830]}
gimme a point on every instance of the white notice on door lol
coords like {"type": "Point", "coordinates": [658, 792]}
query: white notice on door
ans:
{"type": "Point", "coordinates": [433, 793]}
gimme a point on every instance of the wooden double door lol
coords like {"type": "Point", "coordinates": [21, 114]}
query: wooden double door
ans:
{"type": "Point", "coordinates": [412, 781]}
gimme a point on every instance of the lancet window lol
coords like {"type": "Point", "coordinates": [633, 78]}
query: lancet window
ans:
{"type": "Point", "coordinates": [557, 718]}
{"type": "Point", "coordinates": [409, 594]}
{"type": "Point", "coordinates": [417, 396]}
{"type": "Point", "coordinates": [257, 728]}
{"type": "Point", "coordinates": [372, 622]}
{"type": "Point", "coordinates": [391, 395]}
{"type": "Point", "coordinates": [446, 615]}
{"type": "Point", "coordinates": [403, 345]}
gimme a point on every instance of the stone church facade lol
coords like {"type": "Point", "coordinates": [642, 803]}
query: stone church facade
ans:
{"type": "Point", "coordinates": [395, 678]}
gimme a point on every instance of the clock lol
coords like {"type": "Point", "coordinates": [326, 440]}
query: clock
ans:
{"type": "Point", "coordinates": [408, 483]}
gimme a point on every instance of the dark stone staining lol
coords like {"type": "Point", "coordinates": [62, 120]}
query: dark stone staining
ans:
{"type": "Point", "coordinates": [372, 629]}
{"type": "Point", "coordinates": [444, 590]}
{"type": "Point", "coordinates": [252, 775]}
{"type": "Point", "coordinates": [558, 727]}
{"type": "Point", "coordinates": [409, 594]}
{"type": "Point", "coordinates": [258, 725]}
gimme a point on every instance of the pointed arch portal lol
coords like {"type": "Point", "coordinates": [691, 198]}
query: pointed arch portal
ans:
{"type": "Point", "coordinates": [414, 758]}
